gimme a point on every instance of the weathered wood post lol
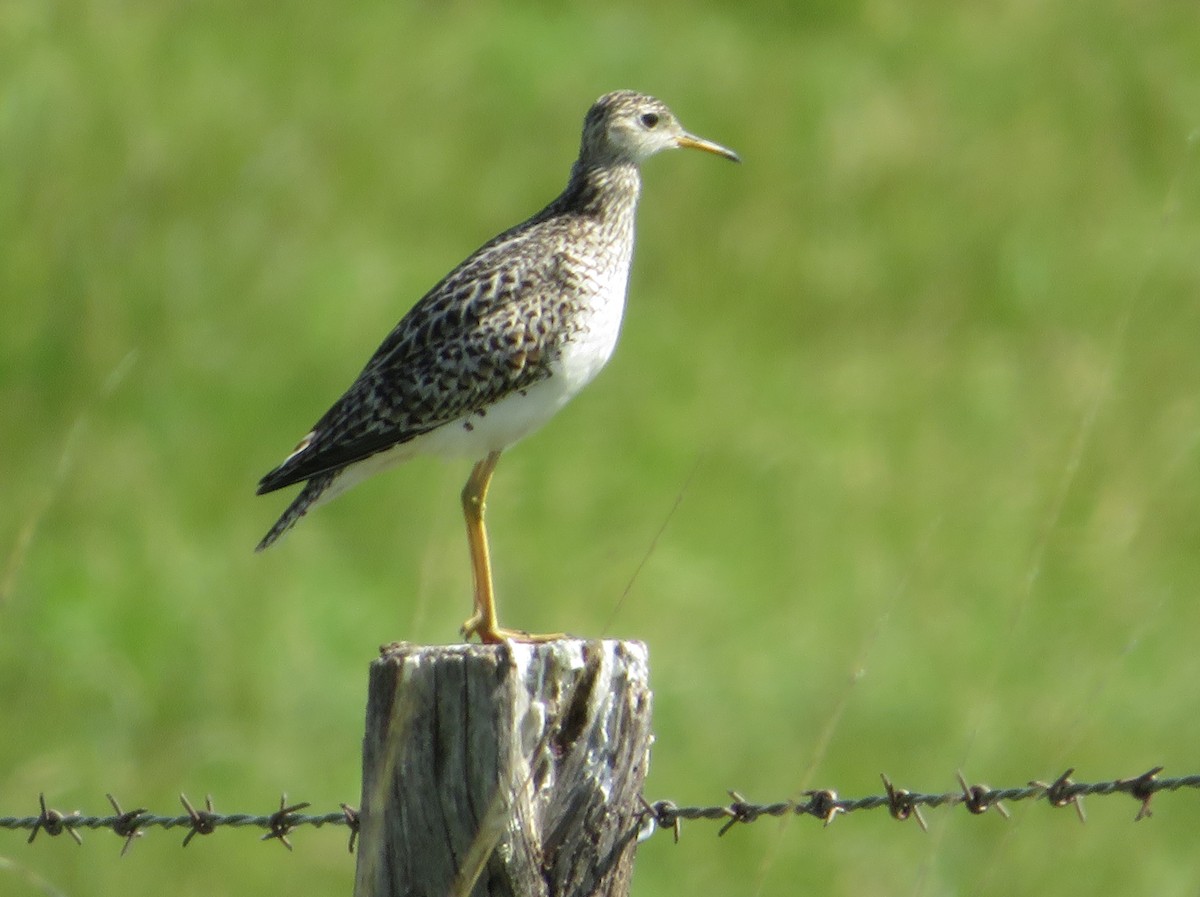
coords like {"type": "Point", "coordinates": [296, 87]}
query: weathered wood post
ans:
{"type": "Point", "coordinates": [508, 770]}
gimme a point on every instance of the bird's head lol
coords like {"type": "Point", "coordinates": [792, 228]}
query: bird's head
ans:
{"type": "Point", "coordinates": [625, 126]}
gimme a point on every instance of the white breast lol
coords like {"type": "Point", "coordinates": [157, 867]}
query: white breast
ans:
{"type": "Point", "coordinates": [592, 344]}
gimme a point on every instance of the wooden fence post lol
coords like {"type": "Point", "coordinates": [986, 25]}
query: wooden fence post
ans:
{"type": "Point", "coordinates": [508, 770]}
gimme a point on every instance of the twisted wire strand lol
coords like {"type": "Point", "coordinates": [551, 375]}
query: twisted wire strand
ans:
{"type": "Point", "coordinates": [825, 805]}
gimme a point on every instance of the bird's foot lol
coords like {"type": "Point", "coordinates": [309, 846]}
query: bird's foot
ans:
{"type": "Point", "coordinates": [491, 634]}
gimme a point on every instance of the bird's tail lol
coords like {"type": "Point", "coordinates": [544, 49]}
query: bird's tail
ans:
{"type": "Point", "coordinates": [312, 491]}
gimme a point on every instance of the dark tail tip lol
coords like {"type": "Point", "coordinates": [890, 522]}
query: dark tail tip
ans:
{"type": "Point", "coordinates": [298, 508]}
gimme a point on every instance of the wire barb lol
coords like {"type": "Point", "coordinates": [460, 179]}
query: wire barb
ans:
{"type": "Point", "coordinates": [739, 811]}
{"type": "Point", "coordinates": [54, 823]}
{"type": "Point", "coordinates": [1062, 791]}
{"type": "Point", "coordinates": [126, 825]}
{"type": "Point", "coordinates": [204, 822]}
{"type": "Point", "coordinates": [352, 820]}
{"type": "Point", "coordinates": [283, 821]}
{"type": "Point", "coordinates": [901, 803]}
{"type": "Point", "coordinates": [1142, 788]}
{"type": "Point", "coordinates": [978, 799]}
{"type": "Point", "coordinates": [822, 804]}
{"type": "Point", "coordinates": [661, 814]}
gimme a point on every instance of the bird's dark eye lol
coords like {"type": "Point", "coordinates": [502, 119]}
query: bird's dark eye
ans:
{"type": "Point", "coordinates": [649, 119]}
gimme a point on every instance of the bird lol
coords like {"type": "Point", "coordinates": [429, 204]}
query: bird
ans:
{"type": "Point", "coordinates": [500, 344]}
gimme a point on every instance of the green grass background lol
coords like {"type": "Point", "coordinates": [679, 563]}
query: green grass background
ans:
{"type": "Point", "coordinates": [916, 391]}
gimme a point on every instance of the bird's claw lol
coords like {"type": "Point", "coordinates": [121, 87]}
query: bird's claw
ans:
{"type": "Point", "coordinates": [491, 634]}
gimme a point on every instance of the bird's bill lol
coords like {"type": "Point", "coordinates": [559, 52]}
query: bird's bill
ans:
{"type": "Point", "coordinates": [691, 141]}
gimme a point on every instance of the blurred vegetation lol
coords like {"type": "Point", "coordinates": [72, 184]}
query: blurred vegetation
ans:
{"type": "Point", "coordinates": [922, 375]}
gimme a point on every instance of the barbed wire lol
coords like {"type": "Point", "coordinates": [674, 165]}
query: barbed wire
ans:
{"type": "Point", "coordinates": [903, 804]}
{"type": "Point", "coordinates": [824, 805]}
{"type": "Point", "coordinates": [131, 824]}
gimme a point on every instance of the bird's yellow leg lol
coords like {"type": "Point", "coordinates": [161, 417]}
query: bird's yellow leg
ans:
{"type": "Point", "coordinates": [483, 622]}
{"type": "Point", "coordinates": [474, 498]}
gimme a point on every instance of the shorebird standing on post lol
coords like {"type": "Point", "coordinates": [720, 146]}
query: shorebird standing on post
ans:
{"type": "Point", "coordinates": [501, 343]}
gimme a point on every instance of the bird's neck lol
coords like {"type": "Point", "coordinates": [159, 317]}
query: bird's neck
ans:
{"type": "Point", "coordinates": [602, 191]}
